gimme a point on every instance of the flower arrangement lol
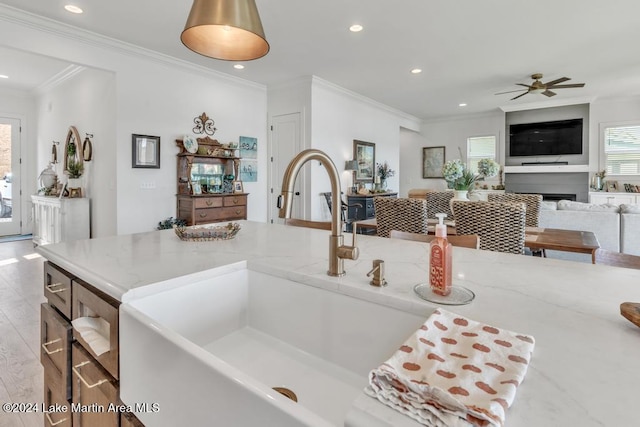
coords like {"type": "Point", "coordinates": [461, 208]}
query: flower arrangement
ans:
{"type": "Point", "coordinates": [488, 168]}
{"type": "Point", "coordinates": [460, 178]}
{"type": "Point", "coordinates": [384, 171]}
{"type": "Point", "coordinates": [602, 173]}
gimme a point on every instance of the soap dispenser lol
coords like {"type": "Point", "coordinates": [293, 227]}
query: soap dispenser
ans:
{"type": "Point", "coordinates": [440, 260]}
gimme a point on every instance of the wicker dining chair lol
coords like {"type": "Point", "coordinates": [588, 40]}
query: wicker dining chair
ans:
{"type": "Point", "coordinates": [400, 214]}
{"type": "Point", "coordinates": [439, 202]}
{"type": "Point", "coordinates": [532, 202]}
{"type": "Point", "coordinates": [500, 226]}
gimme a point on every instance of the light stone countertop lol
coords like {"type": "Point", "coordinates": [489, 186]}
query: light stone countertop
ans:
{"type": "Point", "coordinates": [585, 368]}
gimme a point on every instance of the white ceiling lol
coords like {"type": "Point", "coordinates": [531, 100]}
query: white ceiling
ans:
{"type": "Point", "coordinates": [469, 49]}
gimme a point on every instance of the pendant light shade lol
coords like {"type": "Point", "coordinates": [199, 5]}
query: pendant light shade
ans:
{"type": "Point", "coordinates": [225, 29]}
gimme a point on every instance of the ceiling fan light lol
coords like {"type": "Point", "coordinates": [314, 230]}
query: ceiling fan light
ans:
{"type": "Point", "coordinates": [230, 30]}
{"type": "Point", "coordinates": [537, 90]}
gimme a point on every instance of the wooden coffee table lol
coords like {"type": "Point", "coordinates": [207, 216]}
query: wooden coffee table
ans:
{"type": "Point", "coordinates": [584, 242]}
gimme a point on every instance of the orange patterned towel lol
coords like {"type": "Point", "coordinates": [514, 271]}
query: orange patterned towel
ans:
{"type": "Point", "coordinates": [454, 371]}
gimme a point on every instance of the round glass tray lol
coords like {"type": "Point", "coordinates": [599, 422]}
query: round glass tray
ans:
{"type": "Point", "coordinates": [459, 295]}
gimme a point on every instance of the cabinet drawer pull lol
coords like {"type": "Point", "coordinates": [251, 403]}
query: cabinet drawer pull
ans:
{"type": "Point", "coordinates": [55, 285]}
{"type": "Point", "coordinates": [46, 414]}
{"type": "Point", "coordinates": [75, 370]}
{"type": "Point", "coordinates": [203, 215]}
{"type": "Point", "coordinates": [238, 211]}
{"type": "Point", "coordinates": [50, 352]}
{"type": "Point", "coordinates": [235, 200]}
{"type": "Point", "coordinates": [209, 202]}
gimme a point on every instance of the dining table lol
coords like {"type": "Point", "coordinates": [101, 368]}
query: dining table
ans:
{"type": "Point", "coordinates": [537, 239]}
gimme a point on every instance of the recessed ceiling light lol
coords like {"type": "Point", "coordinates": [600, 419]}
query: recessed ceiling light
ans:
{"type": "Point", "coordinates": [462, 104]}
{"type": "Point", "coordinates": [2, 76]}
{"type": "Point", "coordinates": [416, 71]}
{"type": "Point", "coordinates": [355, 28]}
{"type": "Point", "coordinates": [73, 9]}
{"type": "Point", "coordinates": [238, 67]}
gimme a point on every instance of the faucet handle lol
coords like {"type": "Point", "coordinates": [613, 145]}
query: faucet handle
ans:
{"type": "Point", "coordinates": [350, 252]}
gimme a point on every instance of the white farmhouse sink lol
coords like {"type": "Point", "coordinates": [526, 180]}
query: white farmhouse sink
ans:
{"type": "Point", "coordinates": [208, 353]}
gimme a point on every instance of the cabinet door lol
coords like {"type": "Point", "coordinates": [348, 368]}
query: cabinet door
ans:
{"type": "Point", "coordinates": [89, 303]}
{"type": "Point", "coordinates": [93, 391]}
{"type": "Point", "coordinates": [57, 409]}
{"type": "Point", "coordinates": [57, 288]}
{"type": "Point", "coordinates": [55, 350]}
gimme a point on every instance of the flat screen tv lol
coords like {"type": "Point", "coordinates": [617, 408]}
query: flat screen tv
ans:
{"type": "Point", "coordinates": [546, 138]}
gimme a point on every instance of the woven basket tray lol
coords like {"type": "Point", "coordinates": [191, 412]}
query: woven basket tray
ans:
{"type": "Point", "coordinates": [205, 234]}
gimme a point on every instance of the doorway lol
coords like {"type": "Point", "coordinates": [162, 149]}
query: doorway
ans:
{"type": "Point", "coordinates": [286, 142]}
{"type": "Point", "coordinates": [10, 192]}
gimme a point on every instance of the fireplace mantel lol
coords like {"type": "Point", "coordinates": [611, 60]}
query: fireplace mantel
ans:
{"type": "Point", "coordinates": [546, 169]}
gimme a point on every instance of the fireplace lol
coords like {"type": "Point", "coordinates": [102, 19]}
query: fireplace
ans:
{"type": "Point", "coordinates": [553, 186]}
{"type": "Point", "coordinates": [554, 197]}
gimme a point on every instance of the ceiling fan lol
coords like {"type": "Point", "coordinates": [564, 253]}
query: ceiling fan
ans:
{"type": "Point", "coordinates": [544, 88]}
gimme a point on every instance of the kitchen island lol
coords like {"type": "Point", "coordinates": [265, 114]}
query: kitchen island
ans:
{"type": "Point", "coordinates": [584, 370]}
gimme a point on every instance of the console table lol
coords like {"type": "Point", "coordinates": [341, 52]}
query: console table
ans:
{"type": "Point", "coordinates": [367, 211]}
{"type": "Point", "coordinates": [60, 219]}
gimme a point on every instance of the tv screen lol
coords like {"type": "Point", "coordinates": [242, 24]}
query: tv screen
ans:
{"type": "Point", "coordinates": [546, 138]}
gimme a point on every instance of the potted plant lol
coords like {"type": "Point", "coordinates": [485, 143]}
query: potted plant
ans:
{"type": "Point", "coordinates": [75, 170]}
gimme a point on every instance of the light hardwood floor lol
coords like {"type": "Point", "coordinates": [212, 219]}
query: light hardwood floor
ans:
{"type": "Point", "coordinates": [21, 374]}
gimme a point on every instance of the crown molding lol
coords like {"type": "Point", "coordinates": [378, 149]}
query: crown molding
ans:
{"type": "Point", "coordinates": [547, 104]}
{"type": "Point", "coordinates": [58, 79]}
{"type": "Point", "coordinates": [57, 28]}
{"type": "Point", "coordinates": [340, 90]}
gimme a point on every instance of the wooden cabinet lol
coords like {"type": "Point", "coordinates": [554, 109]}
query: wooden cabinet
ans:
{"type": "Point", "coordinates": [205, 190]}
{"type": "Point", "coordinates": [601, 198]}
{"type": "Point", "coordinates": [93, 391]}
{"type": "Point", "coordinates": [56, 220]}
{"type": "Point", "coordinates": [75, 375]}
{"type": "Point", "coordinates": [214, 208]}
{"type": "Point", "coordinates": [367, 210]}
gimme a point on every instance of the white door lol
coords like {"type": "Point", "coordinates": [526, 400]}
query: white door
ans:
{"type": "Point", "coordinates": [286, 140]}
{"type": "Point", "coordinates": [10, 201]}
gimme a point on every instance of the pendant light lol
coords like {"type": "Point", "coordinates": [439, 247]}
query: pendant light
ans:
{"type": "Point", "coordinates": [225, 29]}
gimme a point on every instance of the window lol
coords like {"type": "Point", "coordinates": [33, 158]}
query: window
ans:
{"type": "Point", "coordinates": [622, 150]}
{"type": "Point", "coordinates": [480, 147]}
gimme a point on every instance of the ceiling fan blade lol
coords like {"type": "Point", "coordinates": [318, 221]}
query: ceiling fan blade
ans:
{"type": "Point", "coordinates": [549, 93]}
{"type": "Point", "coordinates": [520, 95]}
{"type": "Point", "coordinates": [555, 82]}
{"type": "Point", "coordinates": [522, 84]}
{"type": "Point", "coordinates": [566, 86]}
{"type": "Point", "coordinates": [510, 91]}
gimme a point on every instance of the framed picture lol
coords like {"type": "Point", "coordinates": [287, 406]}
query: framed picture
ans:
{"type": "Point", "coordinates": [612, 186]}
{"type": "Point", "coordinates": [432, 162]}
{"type": "Point", "coordinates": [145, 151]}
{"type": "Point", "coordinates": [237, 187]}
{"type": "Point", "coordinates": [364, 153]}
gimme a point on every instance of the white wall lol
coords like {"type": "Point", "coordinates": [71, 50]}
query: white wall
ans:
{"type": "Point", "coordinates": [452, 134]}
{"type": "Point", "coordinates": [339, 117]}
{"type": "Point", "coordinates": [85, 100]}
{"type": "Point", "coordinates": [22, 105]}
{"type": "Point", "coordinates": [154, 95]}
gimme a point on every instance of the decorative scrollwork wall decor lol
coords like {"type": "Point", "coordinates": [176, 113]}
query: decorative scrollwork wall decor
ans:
{"type": "Point", "coordinates": [204, 124]}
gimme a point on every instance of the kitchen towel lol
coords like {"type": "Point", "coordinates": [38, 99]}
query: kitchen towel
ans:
{"type": "Point", "coordinates": [94, 331]}
{"type": "Point", "coordinates": [454, 371]}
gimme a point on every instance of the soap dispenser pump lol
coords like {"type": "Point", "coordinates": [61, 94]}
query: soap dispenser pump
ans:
{"type": "Point", "coordinates": [440, 259]}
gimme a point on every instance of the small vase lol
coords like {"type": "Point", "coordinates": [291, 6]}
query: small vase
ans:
{"type": "Point", "coordinates": [459, 195]}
